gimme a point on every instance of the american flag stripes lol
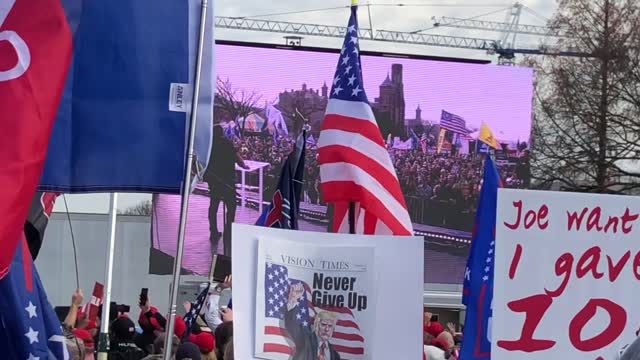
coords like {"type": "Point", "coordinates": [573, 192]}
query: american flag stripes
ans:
{"type": "Point", "coordinates": [346, 340]}
{"type": "Point", "coordinates": [453, 122]}
{"type": "Point", "coordinates": [354, 163]}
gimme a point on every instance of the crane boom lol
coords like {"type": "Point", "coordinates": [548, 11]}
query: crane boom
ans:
{"type": "Point", "coordinates": [489, 45]}
{"type": "Point", "coordinates": [446, 21]}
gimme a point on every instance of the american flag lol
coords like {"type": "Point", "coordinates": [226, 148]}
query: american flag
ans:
{"type": "Point", "coordinates": [191, 317]}
{"type": "Point", "coordinates": [29, 328]}
{"type": "Point", "coordinates": [354, 163]}
{"type": "Point", "coordinates": [453, 123]}
{"type": "Point", "coordinates": [346, 339]}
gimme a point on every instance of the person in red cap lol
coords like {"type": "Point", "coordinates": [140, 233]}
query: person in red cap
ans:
{"type": "Point", "coordinates": [432, 327]}
{"type": "Point", "coordinates": [180, 327]}
{"type": "Point", "coordinates": [206, 344]}
{"type": "Point", "coordinates": [152, 323]}
{"type": "Point", "coordinates": [86, 338]}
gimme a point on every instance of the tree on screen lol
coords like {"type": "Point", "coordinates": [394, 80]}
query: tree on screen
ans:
{"type": "Point", "coordinates": [301, 106]}
{"type": "Point", "coordinates": [236, 103]}
{"type": "Point", "coordinates": [143, 208]}
{"type": "Point", "coordinates": [586, 134]}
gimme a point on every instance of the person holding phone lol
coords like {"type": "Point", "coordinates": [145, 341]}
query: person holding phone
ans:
{"type": "Point", "coordinates": [214, 313]}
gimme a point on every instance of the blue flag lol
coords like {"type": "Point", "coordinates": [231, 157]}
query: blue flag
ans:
{"type": "Point", "coordinates": [283, 210]}
{"type": "Point", "coordinates": [414, 139]}
{"type": "Point", "coordinates": [123, 118]}
{"type": "Point", "coordinates": [477, 292]}
{"type": "Point", "coordinates": [29, 328]}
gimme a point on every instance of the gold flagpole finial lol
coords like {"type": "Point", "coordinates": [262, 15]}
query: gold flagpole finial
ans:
{"type": "Point", "coordinates": [354, 2]}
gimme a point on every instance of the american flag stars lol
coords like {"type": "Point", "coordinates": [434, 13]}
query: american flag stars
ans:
{"type": "Point", "coordinates": [487, 268]}
{"type": "Point", "coordinates": [31, 310]}
{"type": "Point", "coordinates": [347, 84]}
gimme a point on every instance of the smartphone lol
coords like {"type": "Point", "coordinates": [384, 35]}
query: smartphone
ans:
{"type": "Point", "coordinates": [144, 296]}
{"type": "Point", "coordinates": [221, 267]}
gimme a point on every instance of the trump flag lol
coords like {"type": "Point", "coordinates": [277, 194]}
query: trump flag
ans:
{"type": "Point", "coordinates": [123, 119]}
{"type": "Point", "coordinates": [35, 50]}
{"type": "Point", "coordinates": [478, 277]}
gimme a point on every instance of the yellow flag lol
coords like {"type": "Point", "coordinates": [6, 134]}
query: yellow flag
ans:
{"type": "Point", "coordinates": [486, 136]}
{"type": "Point", "coordinates": [440, 140]}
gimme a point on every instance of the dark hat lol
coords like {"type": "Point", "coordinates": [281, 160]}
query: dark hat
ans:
{"type": "Point", "coordinates": [188, 351]}
{"type": "Point", "coordinates": [123, 328]}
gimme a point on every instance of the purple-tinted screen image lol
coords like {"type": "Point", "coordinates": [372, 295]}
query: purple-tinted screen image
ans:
{"type": "Point", "coordinates": [265, 96]}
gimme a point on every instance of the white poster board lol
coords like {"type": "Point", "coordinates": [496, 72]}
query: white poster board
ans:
{"type": "Point", "coordinates": [310, 295]}
{"type": "Point", "coordinates": [568, 266]}
{"type": "Point", "coordinates": [388, 271]}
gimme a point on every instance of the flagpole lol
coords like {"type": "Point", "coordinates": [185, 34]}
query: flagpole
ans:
{"type": "Point", "coordinates": [103, 340]}
{"type": "Point", "coordinates": [351, 217]}
{"type": "Point", "coordinates": [186, 186]}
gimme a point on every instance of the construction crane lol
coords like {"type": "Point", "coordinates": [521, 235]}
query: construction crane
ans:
{"type": "Point", "coordinates": [506, 47]}
{"type": "Point", "coordinates": [506, 54]}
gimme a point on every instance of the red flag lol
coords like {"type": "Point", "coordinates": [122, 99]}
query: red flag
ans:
{"type": "Point", "coordinates": [96, 301]}
{"type": "Point", "coordinates": [35, 50]}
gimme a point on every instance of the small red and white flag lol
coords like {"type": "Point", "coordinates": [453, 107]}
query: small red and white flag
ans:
{"type": "Point", "coordinates": [354, 163]}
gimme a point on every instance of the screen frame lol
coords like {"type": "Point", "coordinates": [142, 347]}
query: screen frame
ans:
{"type": "Point", "coordinates": [362, 52]}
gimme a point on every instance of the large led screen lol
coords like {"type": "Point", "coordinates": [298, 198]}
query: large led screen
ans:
{"type": "Point", "coordinates": [266, 96]}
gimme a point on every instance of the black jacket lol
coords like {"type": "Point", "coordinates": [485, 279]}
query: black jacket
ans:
{"type": "Point", "coordinates": [305, 339]}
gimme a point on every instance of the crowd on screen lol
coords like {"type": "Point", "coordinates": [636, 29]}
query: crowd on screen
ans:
{"type": "Point", "coordinates": [450, 184]}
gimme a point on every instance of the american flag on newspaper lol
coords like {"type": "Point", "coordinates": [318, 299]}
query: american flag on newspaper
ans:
{"type": "Point", "coordinates": [453, 122]}
{"type": "Point", "coordinates": [346, 340]}
{"type": "Point", "coordinates": [354, 163]}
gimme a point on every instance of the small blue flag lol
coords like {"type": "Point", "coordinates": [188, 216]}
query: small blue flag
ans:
{"type": "Point", "coordinates": [283, 210]}
{"type": "Point", "coordinates": [29, 328]}
{"type": "Point", "coordinates": [477, 292]}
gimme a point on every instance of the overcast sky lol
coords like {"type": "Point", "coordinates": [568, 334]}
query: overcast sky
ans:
{"type": "Point", "coordinates": [385, 15]}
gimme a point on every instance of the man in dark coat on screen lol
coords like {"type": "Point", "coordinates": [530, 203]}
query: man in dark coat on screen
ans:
{"type": "Point", "coordinates": [310, 344]}
{"type": "Point", "coordinates": [221, 177]}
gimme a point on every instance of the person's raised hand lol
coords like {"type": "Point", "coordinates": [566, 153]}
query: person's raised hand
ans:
{"type": "Point", "coordinates": [227, 283]}
{"type": "Point", "coordinates": [295, 292]}
{"type": "Point", "coordinates": [227, 314]}
{"type": "Point", "coordinates": [145, 307]}
{"type": "Point", "coordinates": [451, 327]}
{"type": "Point", "coordinates": [427, 317]}
{"type": "Point", "coordinates": [77, 297]}
{"type": "Point", "coordinates": [187, 306]}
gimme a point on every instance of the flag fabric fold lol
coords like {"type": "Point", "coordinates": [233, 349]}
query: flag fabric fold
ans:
{"type": "Point", "coordinates": [38, 219]}
{"type": "Point", "coordinates": [34, 58]}
{"type": "Point", "coordinates": [354, 163]}
{"type": "Point", "coordinates": [123, 120]}
{"type": "Point", "coordinates": [191, 317]}
{"type": "Point", "coordinates": [285, 204]}
{"type": "Point", "coordinates": [477, 292]}
{"type": "Point", "coordinates": [29, 326]}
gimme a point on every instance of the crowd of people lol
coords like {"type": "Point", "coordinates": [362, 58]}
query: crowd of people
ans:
{"type": "Point", "coordinates": [449, 183]}
{"type": "Point", "coordinates": [440, 343]}
{"type": "Point", "coordinates": [209, 338]}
